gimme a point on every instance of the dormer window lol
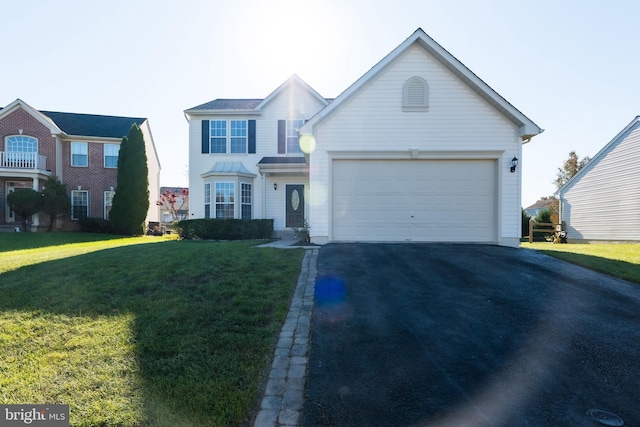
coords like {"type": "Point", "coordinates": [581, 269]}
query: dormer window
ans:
{"type": "Point", "coordinates": [415, 95]}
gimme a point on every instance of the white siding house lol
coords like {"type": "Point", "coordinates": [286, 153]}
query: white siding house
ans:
{"type": "Point", "coordinates": [417, 149]}
{"type": "Point", "coordinates": [602, 201]}
{"type": "Point", "coordinates": [244, 156]}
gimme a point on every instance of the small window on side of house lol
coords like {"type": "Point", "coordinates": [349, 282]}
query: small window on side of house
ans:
{"type": "Point", "coordinates": [111, 155]}
{"type": "Point", "coordinates": [415, 95]}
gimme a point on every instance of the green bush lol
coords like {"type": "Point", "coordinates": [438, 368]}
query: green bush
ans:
{"type": "Point", "coordinates": [94, 225]}
{"type": "Point", "coordinates": [224, 229]}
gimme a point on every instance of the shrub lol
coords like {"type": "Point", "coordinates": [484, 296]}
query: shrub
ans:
{"type": "Point", "coordinates": [94, 225]}
{"type": "Point", "coordinates": [224, 229]}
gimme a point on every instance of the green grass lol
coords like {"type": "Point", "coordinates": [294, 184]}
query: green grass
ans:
{"type": "Point", "coordinates": [140, 331]}
{"type": "Point", "coordinates": [620, 260]}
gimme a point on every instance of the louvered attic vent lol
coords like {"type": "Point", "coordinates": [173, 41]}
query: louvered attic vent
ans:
{"type": "Point", "coordinates": [415, 96]}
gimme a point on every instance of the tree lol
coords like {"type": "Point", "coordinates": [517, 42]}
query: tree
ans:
{"type": "Point", "coordinates": [569, 168]}
{"type": "Point", "coordinates": [25, 202]}
{"type": "Point", "coordinates": [174, 202]}
{"type": "Point", "coordinates": [554, 214]}
{"type": "Point", "coordinates": [543, 217]}
{"type": "Point", "coordinates": [525, 223]}
{"type": "Point", "coordinates": [131, 201]}
{"type": "Point", "coordinates": [55, 200]}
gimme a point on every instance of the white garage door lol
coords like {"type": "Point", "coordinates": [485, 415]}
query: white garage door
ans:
{"type": "Point", "coordinates": [414, 200]}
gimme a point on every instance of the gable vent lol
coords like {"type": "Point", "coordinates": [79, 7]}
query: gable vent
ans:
{"type": "Point", "coordinates": [415, 95]}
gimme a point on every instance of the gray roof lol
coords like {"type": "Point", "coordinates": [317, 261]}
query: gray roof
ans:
{"type": "Point", "coordinates": [232, 104]}
{"type": "Point", "coordinates": [93, 124]}
{"type": "Point", "coordinates": [282, 160]}
{"type": "Point", "coordinates": [229, 104]}
{"type": "Point", "coordinates": [228, 168]}
{"type": "Point", "coordinates": [542, 204]}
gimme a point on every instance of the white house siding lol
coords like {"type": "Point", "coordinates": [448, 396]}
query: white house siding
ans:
{"type": "Point", "coordinates": [458, 124]}
{"type": "Point", "coordinates": [293, 100]}
{"type": "Point", "coordinates": [275, 200]}
{"type": "Point", "coordinates": [153, 165]}
{"type": "Point", "coordinates": [603, 202]}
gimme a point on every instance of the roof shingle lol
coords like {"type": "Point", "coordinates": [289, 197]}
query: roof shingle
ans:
{"type": "Point", "coordinates": [229, 104]}
{"type": "Point", "coordinates": [93, 124]}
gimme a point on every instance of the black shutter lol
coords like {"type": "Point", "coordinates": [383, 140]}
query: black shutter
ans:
{"type": "Point", "coordinates": [252, 136]}
{"type": "Point", "coordinates": [205, 136]}
{"type": "Point", "coordinates": [282, 137]}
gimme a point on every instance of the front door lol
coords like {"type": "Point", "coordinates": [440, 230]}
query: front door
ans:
{"type": "Point", "coordinates": [295, 205]}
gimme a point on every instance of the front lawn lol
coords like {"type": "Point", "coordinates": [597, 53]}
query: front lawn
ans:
{"type": "Point", "coordinates": [620, 260]}
{"type": "Point", "coordinates": [140, 331]}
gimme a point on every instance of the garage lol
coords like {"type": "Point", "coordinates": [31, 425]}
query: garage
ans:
{"type": "Point", "coordinates": [453, 200]}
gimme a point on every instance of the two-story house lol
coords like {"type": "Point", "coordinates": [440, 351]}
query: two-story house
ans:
{"type": "Point", "coordinates": [80, 149]}
{"type": "Point", "coordinates": [418, 149]}
{"type": "Point", "coordinates": [245, 160]}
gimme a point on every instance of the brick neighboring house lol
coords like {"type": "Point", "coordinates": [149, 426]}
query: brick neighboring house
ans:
{"type": "Point", "coordinates": [80, 149]}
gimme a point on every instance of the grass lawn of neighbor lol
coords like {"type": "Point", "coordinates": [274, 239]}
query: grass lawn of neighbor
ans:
{"type": "Point", "coordinates": [142, 331]}
{"type": "Point", "coordinates": [620, 260]}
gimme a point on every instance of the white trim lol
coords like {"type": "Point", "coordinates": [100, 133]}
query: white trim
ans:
{"type": "Point", "coordinates": [414, 154]}
{"type": "Point", "coordinates": [96, 139]}
{"type": "Point", "coordinates": [45, 120]}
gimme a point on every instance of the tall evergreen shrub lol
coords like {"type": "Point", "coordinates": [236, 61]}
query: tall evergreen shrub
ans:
{"type": "Point", "coordinates": [131, 201]}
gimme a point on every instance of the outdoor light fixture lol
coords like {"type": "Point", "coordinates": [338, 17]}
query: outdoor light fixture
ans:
{"type": "Point", "coordinates": [275, 186]}
{"type": "Point", "coordinates": [514, 163]}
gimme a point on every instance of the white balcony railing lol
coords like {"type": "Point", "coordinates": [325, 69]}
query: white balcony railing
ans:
{"type": "Point", "coordinates": [22, 160]}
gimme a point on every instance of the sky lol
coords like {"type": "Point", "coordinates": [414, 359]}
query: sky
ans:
{"type": "Point", "coordinates": [570, 66]}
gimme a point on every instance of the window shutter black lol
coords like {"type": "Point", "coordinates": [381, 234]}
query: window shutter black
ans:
{"type": "Point", "coordinates": [205, 136]}
{"type": "Point", "coordinates": [282, 140]}
{"type": "Point", "coordinates": [252, 136]}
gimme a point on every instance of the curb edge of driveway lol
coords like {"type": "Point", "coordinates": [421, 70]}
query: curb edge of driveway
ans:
{"type": "Point", "coordinates": [283, 397]}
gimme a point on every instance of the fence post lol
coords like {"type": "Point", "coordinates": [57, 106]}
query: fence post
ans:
{"type": "Point", "coordinates": [530, 231]}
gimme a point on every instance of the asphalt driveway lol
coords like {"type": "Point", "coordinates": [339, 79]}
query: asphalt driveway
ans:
{"type": "Point", "coordinates": [469, 335]}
